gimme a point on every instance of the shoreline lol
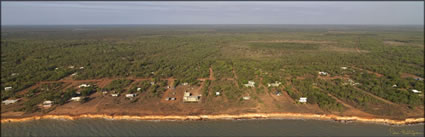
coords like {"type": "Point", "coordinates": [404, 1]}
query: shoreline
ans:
{"type": "Point", "coordinates": [337, 118]}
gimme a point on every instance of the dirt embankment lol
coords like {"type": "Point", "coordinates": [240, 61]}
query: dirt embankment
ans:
{"type": "Point", "coordinates": [225, 116]}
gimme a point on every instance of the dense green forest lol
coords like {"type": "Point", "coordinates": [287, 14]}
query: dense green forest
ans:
{"type": "Point", "coordinates": [376, 57]}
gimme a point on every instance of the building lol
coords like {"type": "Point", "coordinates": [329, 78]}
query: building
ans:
{"type": "Point", "coordinates": [152, 83]}
{"type": "Point", "coordinates": [138, 89]}
{"type": "Point", "coordinates": [73, 74]}
{"type": "Point", "coordinates": [104, 92]}
{"type": "Point", "coordinates": [10, 101]}
{"type": "Point", "coordinates": [344, 68]}
{"type": "Point", "coordinates": [115, 95]}
{"type": "Point", "coordinates": [416, 91]}
{"type": "Point", "coordinates": [323, 73]}
{"type": "Point", "coordinates": [47, 104]}
{"type": "Point", "coordinates": [76, 99]}
{"type": "Point", "coordinates": [217, 93]}
{"type": "Point", "coordinates": [71, 67]}
{"type": "Point", "coordinates": [7, 88]}
{"type": "Point", "coordinates": [303, 100]}
{"type": "Point", "coordinates": [394, 86]}
{"type": "Point", "coordinates": [130, 95]}
{"type": "Point", "coordinates": [83, 86]}
{"type": "Point", "coordinates": [275, 84]}
{"type": "Point", "coordinates": [184, 84]}
{"type": "Point", "coordinates": [81, 67]}
{"type": "Point", "coordinates": [250, 84]}
{"type": "Point", "coordinates": [187, 97]}
{"type": "Point", "coordinates": [246, 98]}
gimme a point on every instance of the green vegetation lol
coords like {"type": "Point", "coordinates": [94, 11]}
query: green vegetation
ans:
{"type": "Point", "coordinates": [118, 85]}
{"type": "Point", "coordinates": [376, 57]}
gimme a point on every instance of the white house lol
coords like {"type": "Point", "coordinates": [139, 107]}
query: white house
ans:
{"type": "Point", "coordinates": [130, 95]}
{"type": "Point", "coordinates": [323, 73]}
{"type": "Point", "coordinates": [47, 104]}
{"type": "Point", "coordinates": [416, 91]}
{"type": "Point", "coordinates": [152, 83]}
{"type": "Point", "coordinates": [187, 97]}
{"type": "Point", "coordinates": [115, 95]}
{"type": "Point", "coordinates": [250, 84]}
{"type": "Point", "coordinates": [81, 67]}
{"type": "Point", "coordinates": [217, 93]}
{"type": "Point", "coordinates": [10, 101]}
{"type": "Point", "coordinates": [104, 92]}
{"type": "Point", "coordinates": [275, 84]}
{"type": "Point", "coordinates": [71, 67]}
{"type": "Point", "coordinates": [394, 86]}
{"type": "Point", "coordinates": [303, 100]}
{"type": "Point", "coordinates": [138, 89]}
{"type": "Point", "coordinates": [83, 85]}
{"type": "Point", "coordinates": [75, 98]}
{"type": "Point", "coordinates": [7, 88]}
{"type": "Point", "coordinates": [246, 98]}
{"type": "Point", "coordinates": [184, 84]}
{"type": "Point", "coordinates": [73, 74]}
{"type": "Point", "coordinates": [344, 68]}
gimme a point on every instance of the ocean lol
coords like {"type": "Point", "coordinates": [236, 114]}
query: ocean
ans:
{"type": "Point", "coordinates": [270, 127]}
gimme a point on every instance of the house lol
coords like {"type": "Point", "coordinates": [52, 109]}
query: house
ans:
{"type": "Point", "coordinates": [303, 100]}
{"type": "Point", "coordinates": [74, 74]}
{"type": "Point", "coordinates": [81, 67]}
{"type": "Point", "coordinates": [138, 89]}
{"type": "Point", "coordinates": [75, 98]}
{"type": "Point", "coordinates": [278, 93]}
{"type": "Point", "coordinates": [187, 97]}
{"type": "Point", "coordinates": [130, 95]}
{"type": "Point", "coordinates": [152, 83]}
{"type": "Point", "coordinates": [115, 95]}
{"type": "Point", "coordinates": [275, 84]}
{"type": "Point", "coordinates": [104, 92]}
{"type": "Point", "coordinates": [416, 91]}
{"type": "Point", "coordinates": [323, 73]}
{"type": "Point", "coordinates": [10, 101]}
{"type": "Point", "coordinates": [71, 67]}
{"type": "Point", "coordinates": [168, 99]}
{"type": "Point", "coordinates": [83, 86]}
{"type": "Point", "coordinates": [246, 98]}
{"type": "Point", "coordinates": [394, 86]}
{"type": "Point", "coordinates": [191, 98]}
{"type": "Point", "coordinates": [250, 84]}
{"type": "Point", "coordinates": [78, 93]}
{"type": "Point", "coordinates": [344, 68]}
{"type": "Point", "coordinates": [7, 88]}
{"type": "Point", "coordinates": [217, 93]}
{"type": "Point", "coordinates": [47, 104]}
{"type": "Point", "coordinates": [184, 84]}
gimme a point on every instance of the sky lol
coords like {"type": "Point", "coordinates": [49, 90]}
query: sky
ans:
{"type": "Point", "coordinates": [212, 12]}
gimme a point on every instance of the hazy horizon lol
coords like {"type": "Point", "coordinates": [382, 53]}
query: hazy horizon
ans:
{"type": "Point", "coordinates": [212, 13]}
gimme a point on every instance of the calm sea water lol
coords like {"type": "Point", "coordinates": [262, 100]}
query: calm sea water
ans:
{"type": "Point", "coordinates": [100, 127]}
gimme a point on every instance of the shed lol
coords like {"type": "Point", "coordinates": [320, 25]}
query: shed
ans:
{"type": "Point", "coordinates": [303, 100]}
{"type": "Point", "coordinates": [130, 95]}
{"type": "Point", "coordinates": [75, 98]}
{"type": "Point", "coordinates": [10, 101]}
